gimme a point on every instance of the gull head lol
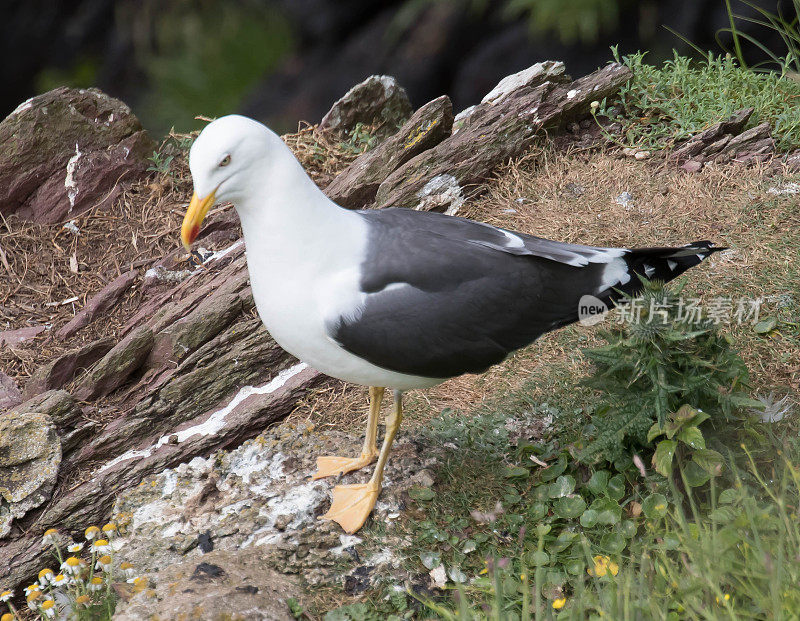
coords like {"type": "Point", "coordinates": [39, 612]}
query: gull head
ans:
{"type": "Point", "coordinates": [227, 160]}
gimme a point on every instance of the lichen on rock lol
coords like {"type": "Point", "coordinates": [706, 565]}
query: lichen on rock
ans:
{"type": "Point", "coordinates": [30, 454]}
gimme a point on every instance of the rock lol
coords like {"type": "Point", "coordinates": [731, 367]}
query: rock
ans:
{"type": "Point", "coordinates": [9, 393]}
{"type": "Point", "coordinates": [355, 187]}
{"type": "Point", "coordinates": [791, 162]}
{"type": "Point", "coordinates": [30, 454]}
{"type": "Point", "coordinates": [378, 99]}
{"type": "Point", "coordinates": [727, 142]}
{"type": "Point", "coordinates": [92, 142]}
{"type": "Point", "coordinates": [11, 338]}
{"type": "Point", "coordinates": [98, 304]}
{"type": "Point", "coordinates": [201, 325]}
{"type": "Point", "coordinates": [492, 134]}
{"type": "Point", "coordinates": [226, 586]}
{"type": "Point", "coordinates": [549, 70]}
{"type": "Point", "coordinates": [64, 368]}
{"type": "Point", "coordinates": [61, 408]}
{"type": "Point", "coordinates": [258, 500]}
{"type": "Point", "coordinates": [114, 368]}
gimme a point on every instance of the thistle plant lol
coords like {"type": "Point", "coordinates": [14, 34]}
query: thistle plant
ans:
{"type": "Point", "coordinates": [656, 364]}
{"type": "Point", "coordinates": [81, 586]}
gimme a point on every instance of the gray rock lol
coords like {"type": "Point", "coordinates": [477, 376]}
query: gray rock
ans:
{"type": "Point", "coordinates": [355, 187]}
{"type": "Point", "coordinates": [59, 406]}
{"type": "Point", "coordinates": [67, 150]}
{"type": "Point", "coordinates": [532, 76]}
{"type": "Point", "coordinates": [258, 497]}
{"type": "Point", "coordinates": [30, 454]}
{"type": "Point", "coordinates": [224, 586]}
{"type": "Point", "coordinates": [378, 99]}
{"type": "Point", "coordinates": [440, 177]}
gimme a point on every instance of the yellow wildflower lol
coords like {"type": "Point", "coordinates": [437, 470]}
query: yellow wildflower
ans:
{"type": "Point", "coordinates": [602, 566]}
{"type": "Point", "coordinates": [7, 617]}
{"type": "Point", "coordinates": [558, 604]}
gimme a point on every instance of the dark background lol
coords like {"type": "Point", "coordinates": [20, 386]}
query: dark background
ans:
{"type": "Point", "coordinates": [282, 61]}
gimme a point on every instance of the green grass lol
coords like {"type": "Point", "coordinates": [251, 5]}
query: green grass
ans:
{"type": "Point", "coordinates": [663, 105]}
{"type": "Point", "coordinates": [523, 528]}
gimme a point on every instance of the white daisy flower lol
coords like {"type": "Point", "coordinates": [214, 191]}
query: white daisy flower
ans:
{"type": "Point", "coordinates": [95, 584]}
{"type": "Point", "coordinates": [74, 548]}
{"type": "Point", "coordinates": [101, 546]}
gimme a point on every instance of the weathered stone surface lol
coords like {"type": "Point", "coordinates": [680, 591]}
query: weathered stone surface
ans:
{"type": "Point", "coordinates": [98, 304]}
{"type": "Point", "coordinates": [356, 186]}
{"type": "Point", "coordinates": [492, 134]}
{"type": "Point", "coordinates": [63, 410]}
{"type": "Point", "coordinates": [725, 142]}
{"type": "Point", "coordinates": [258, 499]}
{"type": "Point", "coordinates": [9, 392]}
{"type": "Point", "coordinates": [64, 368]}
{"type": "Point", "coordinates": [223, 586]}
{"type": "Point", "coordinates": [67, 150]}
{"type": "Point", "coordinates": [549, 70]}
{"type": "Point", "coordinates": [114, 368]}
{"type": "Point", "coordinates": [30, 454]}
{"type": "Point", "coordinates": [10, 338]}
{"type": "Point", "coordinates": [378, 99]}
{"type": "Point", "coordinates": [201, 325]}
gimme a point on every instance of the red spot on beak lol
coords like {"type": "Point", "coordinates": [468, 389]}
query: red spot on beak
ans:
{"type": "Point", "coordinates": [194, 233]}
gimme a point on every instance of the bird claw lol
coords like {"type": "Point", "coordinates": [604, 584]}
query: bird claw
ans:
{"type": "Point", "coordinates": [331, 465]}
{"type": "Point", "coordinates": [352, 505]}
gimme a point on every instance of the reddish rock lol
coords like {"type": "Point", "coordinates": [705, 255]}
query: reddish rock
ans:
{"type": "Point", "coordinates": [67, 150]}
{"type": "Point", "coordinates": [10, 338]}
{"type": "Point", "coordinates": [63, 369]}
{"type": "Point", "coordinates": [115, 367]}
{"type": "Point", "coordinates": [9, 393]}
{"type": "Point", "coordinates": [98, 304]}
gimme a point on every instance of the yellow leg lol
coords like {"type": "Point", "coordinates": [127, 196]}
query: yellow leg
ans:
{"type": "Point", "coordinates": [333, 464]}
{"type": "Point", "coordinates": [352, 504]}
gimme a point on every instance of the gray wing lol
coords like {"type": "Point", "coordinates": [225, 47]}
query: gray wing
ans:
{"type": "Point", "coordinates": [446, 295]}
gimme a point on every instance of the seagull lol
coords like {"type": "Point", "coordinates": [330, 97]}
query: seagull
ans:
{"type": "Point", "coordinates": [394, 298]}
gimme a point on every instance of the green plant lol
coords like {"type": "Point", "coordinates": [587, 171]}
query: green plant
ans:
{"type": "Point", "coordinates": [661, 106]}
{"type": "Point", "coordinates": [684, 444]}
{"type": "Point", "coordinates": [361, 139]}
{"type": "Point", "coordinates": [729, 556]}
{"type": "Point", "coordinates": [83, 586]}
{"type": "Point", "coordinates": [160, 163]}
{"type": "Point", "coordinates": [786, 26]}
{"type": "Point", "coordinates": [658, 362]}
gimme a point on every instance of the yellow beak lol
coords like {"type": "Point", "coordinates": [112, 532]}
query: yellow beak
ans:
{"type": "Point", "coordinates": [198, 208]}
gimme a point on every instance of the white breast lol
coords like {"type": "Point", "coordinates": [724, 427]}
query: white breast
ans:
{"type": "Point", "coordinates": [300, 289]}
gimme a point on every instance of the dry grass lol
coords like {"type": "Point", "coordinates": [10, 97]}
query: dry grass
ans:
{"type": "Point", "coordinates": [571, 197]}
{"type": "Point", "coordinates": [138, 230]}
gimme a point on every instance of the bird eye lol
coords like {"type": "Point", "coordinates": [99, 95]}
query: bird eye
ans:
{"type": "Point", "coordinates": [225, 161]}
